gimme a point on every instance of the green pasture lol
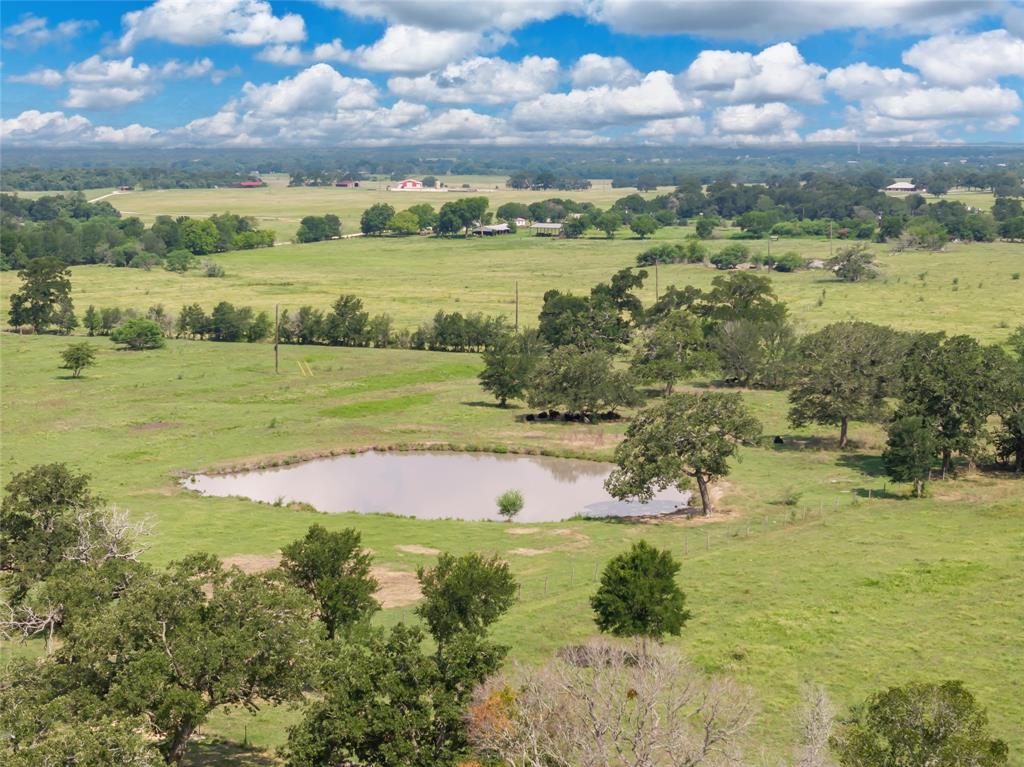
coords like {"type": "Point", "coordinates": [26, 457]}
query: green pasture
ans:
{"type": "Point", "coordinates": [966, 288]}
{"type": "Point", "coordinates": [856, 586]}
{"type": "Point", "coordinates": [280, 207]}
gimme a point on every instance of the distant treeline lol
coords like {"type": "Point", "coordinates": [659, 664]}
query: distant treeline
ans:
{"type": "Point", "coordinates": [75, 179]}
{"type": "Point", "coordinates": [346, 323]}
{"type": "Point", "coordinates": [997, 167]}
{"type": "Point", "coordinates": [75, 231]}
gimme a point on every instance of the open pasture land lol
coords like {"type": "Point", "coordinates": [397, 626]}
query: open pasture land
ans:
{"type": "Point", "coordinates": [280, 207]}
{"type": "Point", "coordinates": [967, 288]}
{"type": "Point", "coordinates": [854, 586]}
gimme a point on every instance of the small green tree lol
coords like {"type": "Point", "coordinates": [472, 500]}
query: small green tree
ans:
{"type": "Point", "coordinates": [91, 320]}
{"type": "Point", "coordinates": [853, 264]}
{"type": "Point", "coordinates": [730, 256]}
{"type": "Point", "coordinates": [644, 225]}
{"type": "Point", "coordinates": [179, 261]}
{"type": "Point", "coordinates": [404, 222]}
{"type": "Point", "coordinates": [464, 594]}
{"type": "Point", "coordinates": [508, 365]}
{"type": "Point", "coordinates": [609, 223]}
{"type": "Point", "coordinates": [638, 595]}
{"type": "Point", "coordinates": [705, 227]}
{"type": "Point", "coordinates": [334, 569]}
{"type": "Point", "coordinates": [78, 357]}
{"type": "Point", "coordinates": [138, 334]}
{"type": "Point", "coordinates": [510, 503]}
{"type": "Point", "coordinates": [683, 437]}
{"type": "Point", "coordinates": [911, 451]}
{"type": "Point", "coordinates": [923, 724]}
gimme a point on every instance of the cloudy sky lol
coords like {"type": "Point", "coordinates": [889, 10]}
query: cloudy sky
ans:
{"type": "Point", "coordinates": [510, 72]}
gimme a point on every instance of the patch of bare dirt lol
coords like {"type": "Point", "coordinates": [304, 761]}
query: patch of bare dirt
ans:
{"type": "Point", "coordinates": [397, 588]}
{"type": "Point", "coordinates": [529, 552]}
{"type": "Point", "coordinates": [416, 549]}
{"type": "Point", "coordinates": [253, 563]}
{"type": "Point", "coordinates": [522, 530]}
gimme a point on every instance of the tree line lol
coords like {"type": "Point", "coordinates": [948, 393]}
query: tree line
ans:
{"type": "Point", "coordinates": [73, 231]}
{"type": "Point", "coordinates": [137, 658]}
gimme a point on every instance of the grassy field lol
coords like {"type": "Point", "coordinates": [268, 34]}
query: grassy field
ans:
{"type": "Point", "coordinates": [966, 288]}
{"type": "Point", "coordinates": [855, 586]}
{"type": "Point", "coordinates": [848, 590]}
{"type": "Point", "coordinates": [280, 207]}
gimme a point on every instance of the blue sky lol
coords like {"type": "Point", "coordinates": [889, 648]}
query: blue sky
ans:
{"type": "Point", "coordinates": [510, 72]}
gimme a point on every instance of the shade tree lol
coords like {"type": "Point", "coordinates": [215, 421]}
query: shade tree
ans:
{"type": "Point", "coordinates": [581, 382]}
{"type": "Point", "coordinates": [44, 290]}
{"type": "Point", "coordinates": [843, 372]}
{"type": "Point", "coordinates": [682, 438]}
{"type": "Point", "coordinates": [672, 349]}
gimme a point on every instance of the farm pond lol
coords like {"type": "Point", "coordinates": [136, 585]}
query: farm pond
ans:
{"type": "Point", "coordinates": [439, 485]}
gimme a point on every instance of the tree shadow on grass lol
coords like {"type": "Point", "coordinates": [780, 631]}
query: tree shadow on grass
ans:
{"type": "Point", "coordinates": [222, 753]}
{"type": "Point", "coordinates": [865, 463]}
{"type": "Point", "coordinates": [492, 405]}
{"type": "Point", "coordinates": [794, 443]}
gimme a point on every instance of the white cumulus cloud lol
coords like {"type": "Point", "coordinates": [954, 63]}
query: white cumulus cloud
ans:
{"type": "Point", "coordinates": [654, 97]}
{"type": "Point", "coordinates": [320, 88]}
{"type": "Point", "coordinates": [481, 80]}
{"type": "Point", "coordinates": [862, 80]}
{"type": "Point", "coordinates": [778, 73]}
{"type": "Point", "coordinates": [594, 69]}
{"type": "Point", "coordinates": [205, 22]}
{"type": "Point", "coordinates": [959, 60]}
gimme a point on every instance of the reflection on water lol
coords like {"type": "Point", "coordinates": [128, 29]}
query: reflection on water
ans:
{"type": "Point", "coordinates": [439, 485]}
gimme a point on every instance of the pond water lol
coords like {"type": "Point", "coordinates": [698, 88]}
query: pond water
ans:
{"type": "Point", "coordinates": [439, 485]}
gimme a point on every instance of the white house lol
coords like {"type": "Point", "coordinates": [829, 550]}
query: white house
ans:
{"type": "Point", "coordinates": [901, 186]}
{"type": "Point", "coordinates": [415, 185]}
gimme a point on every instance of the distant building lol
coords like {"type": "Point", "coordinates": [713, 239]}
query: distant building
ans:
{"type": "Point", "coordinates": [488, 230]}
{"type": "Point", "coordinates": [546, 230]}
{"type": "Point", "coordinates": [126, 188]}
{"type": "Point", "coordinates": [901, 186]}
{"type": "Point", "coordinates": [252, 184]}
{"type": "Point", "coordinates": [415, 185]}
{"type": "Point", "coordinates": [347, 183]}
{"type": "Point", "coordinates": [520, 221]}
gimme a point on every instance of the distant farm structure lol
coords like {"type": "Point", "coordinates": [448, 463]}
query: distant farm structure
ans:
{"type": "Point", "coordinates": [902, 186]}
{"type": "Point", "coordinates": [415, 185]}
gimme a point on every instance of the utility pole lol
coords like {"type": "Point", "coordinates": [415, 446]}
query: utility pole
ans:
{"type": "Point", "coordinates": [517, 306]}
{"type": "Point", "coordinates": [277, 337]}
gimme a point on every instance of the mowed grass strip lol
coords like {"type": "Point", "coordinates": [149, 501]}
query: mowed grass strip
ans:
{"type": "Point", "coordinates": [376, 407]}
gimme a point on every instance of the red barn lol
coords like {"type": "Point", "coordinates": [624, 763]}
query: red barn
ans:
{"type": "Point", "coordinates": [251, 184]}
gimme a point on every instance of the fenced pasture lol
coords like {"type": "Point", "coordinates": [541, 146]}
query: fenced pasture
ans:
{"type": "Point", "coordinates": [816, 569]}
